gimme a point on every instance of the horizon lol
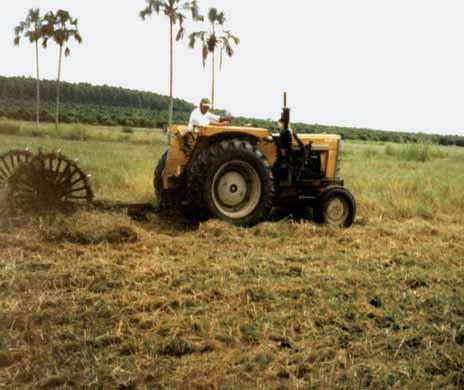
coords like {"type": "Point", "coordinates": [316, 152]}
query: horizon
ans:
{"type": "Point", "coordinates": [389, 66]}
{"type": "Point", "coordinates": [251, 118]}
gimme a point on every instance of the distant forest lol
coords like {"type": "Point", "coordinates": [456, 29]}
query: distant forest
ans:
{"type": "Point", "coordinates": [85, 103]}
{"type": "Point", "coordinates": [113, 106]}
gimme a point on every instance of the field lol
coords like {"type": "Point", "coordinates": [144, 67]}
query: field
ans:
{"type": "Point", "coordinates": [95, 299]}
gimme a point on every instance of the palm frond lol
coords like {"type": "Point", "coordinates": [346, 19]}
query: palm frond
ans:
{"type": "Point", "coordinates": [193, 37]}
{"type": "Point", "coordinates": [18, 29]}
{"type": "Point", "coordinates": [153, 6]}
{"type": "Point", "coordinates": [78, 37]}
{"type": "Point", "coordinates": [212, 15]}
{"type": "Point", "coordinates": [205, 52]}
{"type": "Point", "coordinates": [143, 14]}
{"type": "Point", "coordinates": [229, 49]}
{"type": "Point", "coordinates": [30, 35]}
{"type": "Point", "coordinates": [194, 8]}
{"type": "Point", "coordinates": [180, 34]}
{"type": "Point", "coordinates": [220, 18]}
{"type": "Point", "coordinates": [233, 37]}
{"type": "Point", "coordinates": [34, 15]}
{"type": "Point", "coordinates": [192, 40]}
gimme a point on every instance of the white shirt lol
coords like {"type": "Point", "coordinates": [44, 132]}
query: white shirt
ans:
{"type": "Point", "coordinates": [199, 119]}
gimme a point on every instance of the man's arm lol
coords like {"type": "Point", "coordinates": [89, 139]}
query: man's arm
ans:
{"type": "Point", "coordinates": [226, 118]}
{"type": "Point", "coordinates": [216, 120]}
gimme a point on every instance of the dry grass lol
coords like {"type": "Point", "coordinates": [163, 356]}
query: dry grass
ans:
{"type": "Point", "coordinates": [97, 300]}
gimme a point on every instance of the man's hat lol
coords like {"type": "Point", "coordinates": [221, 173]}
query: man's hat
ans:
{"type": "Point", "coordinates": [205, 102]}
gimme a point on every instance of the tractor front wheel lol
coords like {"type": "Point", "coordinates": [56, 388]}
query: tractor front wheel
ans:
{"type": "Point", "coordinates": [335, 207]}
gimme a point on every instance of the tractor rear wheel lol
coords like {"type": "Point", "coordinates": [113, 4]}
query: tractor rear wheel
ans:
{"type": "Point", "coordinates": [231, 181]}
{"type": "Point", "coordinates": [335, 207]}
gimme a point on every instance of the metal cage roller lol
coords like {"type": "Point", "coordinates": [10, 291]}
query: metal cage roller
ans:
{"type": "Point", "coordinates": [9, 162]}
{"type": "Point", "coordinates": [48, 180]}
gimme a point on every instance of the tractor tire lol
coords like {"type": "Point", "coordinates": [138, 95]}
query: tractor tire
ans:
{"type": "Point", "coordinates": [231, 181]}
{"type": "Point", "coordinates": [167, 199]}
{"type": "Point", "coordinates": [335, 207]}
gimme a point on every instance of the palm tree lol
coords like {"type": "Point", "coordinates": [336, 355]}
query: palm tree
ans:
{"type": "Point", "coordinates": [61, 27]}
{"type": "Point", "coordinates": [32, 29]}
{"type": "Point", "coordinates": [216, 38]}
{"type": "Point", "coordinates": [175, 11]}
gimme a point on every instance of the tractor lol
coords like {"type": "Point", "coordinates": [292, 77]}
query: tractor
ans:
{"type": "Point", "coordinates": [241, 174]}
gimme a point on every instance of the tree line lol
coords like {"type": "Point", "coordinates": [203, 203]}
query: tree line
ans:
{"type": "Point", "coordinates": [85, 103]}
{"type": "Point", "coordinates": [105, 105]}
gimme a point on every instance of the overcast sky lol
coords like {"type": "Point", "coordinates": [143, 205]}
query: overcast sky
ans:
{"type": "Point", "coordinates": [384, 64]}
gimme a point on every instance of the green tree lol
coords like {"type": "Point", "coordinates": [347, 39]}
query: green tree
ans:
{"type": "Point", "coordinates": [32, 29]}
{"type": "Point", "coordinates": [175, 11]}
{"type": "Point", "coordinates": [61, 28]}
{"type": "Point", "coordinates": [216, 38]}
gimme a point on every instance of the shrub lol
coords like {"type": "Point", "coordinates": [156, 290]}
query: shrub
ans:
{"type": "Point", "coordinates": [37, 134]}
{"type": "Point", "coordinates": [9, 129]}
{"type": "Point", "coordinates": [128, 130]}
{"type": "Point", "coordinates": [390, 150]}
{"type": "Point", "coordinates": [415, 152]}
{"type": "Point", "coordinates": [122, 138]}
{"type": "Point", "coordinates": [77, 133]}
{"type": "Point", "coordinates": [370, 153]}
{"type": "Point", "coordinates": [346, 151]}
{"type": "Point", "coordinates": [422, 153]}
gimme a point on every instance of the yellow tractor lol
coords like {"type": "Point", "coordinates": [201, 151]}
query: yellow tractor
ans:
{"type": "Point", "coordinates": [241, 174]}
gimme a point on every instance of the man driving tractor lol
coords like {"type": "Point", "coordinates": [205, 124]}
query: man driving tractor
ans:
{"type": "Point", "coordinates": [202, 116]}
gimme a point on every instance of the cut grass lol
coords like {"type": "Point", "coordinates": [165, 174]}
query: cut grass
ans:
{"type": "Point", "coordinates": [94, 299]}
{"type": "Point", "coordinates": [217, 306]}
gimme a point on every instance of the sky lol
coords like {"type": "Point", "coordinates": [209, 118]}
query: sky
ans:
{"type": "Point", "coordinates": [381, 64]}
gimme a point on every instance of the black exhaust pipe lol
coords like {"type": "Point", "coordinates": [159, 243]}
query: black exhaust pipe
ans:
{"type": "Point", "coordinates": [285, 133]}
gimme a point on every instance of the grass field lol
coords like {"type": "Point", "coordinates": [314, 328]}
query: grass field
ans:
{"type": "Point", "coordinates": [94, 299]}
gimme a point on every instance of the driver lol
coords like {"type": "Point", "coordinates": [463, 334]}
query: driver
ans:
{"type": "Point", "coordinates": [202, 116]}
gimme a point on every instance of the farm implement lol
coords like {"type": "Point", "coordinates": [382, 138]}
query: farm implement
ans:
{"type": "Point", "coordinates": [48, 181]}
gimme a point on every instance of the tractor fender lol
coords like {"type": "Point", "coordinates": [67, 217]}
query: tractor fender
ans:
{"type": "Point", "coordinates": [266, 147]}
{"type": "Point", "coordinates": [232, 135]}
